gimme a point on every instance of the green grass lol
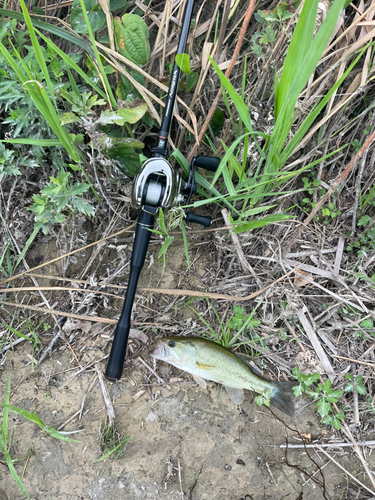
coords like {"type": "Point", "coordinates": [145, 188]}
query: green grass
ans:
{"type": "Point", "coordinates": [245, 190]}
{"type": "Point", "coordinates": [112, 444]}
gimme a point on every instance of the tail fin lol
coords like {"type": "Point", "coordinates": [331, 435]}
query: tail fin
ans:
{"type": "Point", "coordinates": [283, 397]}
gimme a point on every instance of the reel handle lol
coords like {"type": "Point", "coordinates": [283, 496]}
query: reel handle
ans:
{"type": "Point", "coordinates": [203, 220]}
{"type": "Point", "coordinates": [210, 163]}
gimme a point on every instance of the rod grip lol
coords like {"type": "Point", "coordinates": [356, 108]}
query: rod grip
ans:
{"type": "Point", "coordinates": [120, 340]}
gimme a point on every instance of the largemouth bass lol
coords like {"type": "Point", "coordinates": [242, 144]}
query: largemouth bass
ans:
{"type": "Point", "coordinates": [205, 359]}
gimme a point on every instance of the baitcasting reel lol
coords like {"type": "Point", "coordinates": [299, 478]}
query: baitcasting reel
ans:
{"type": "Point", "coordinates": [159, 185]}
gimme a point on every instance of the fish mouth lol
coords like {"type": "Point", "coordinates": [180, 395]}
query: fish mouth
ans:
{"type": "Point", "coordinates": [161, 352]}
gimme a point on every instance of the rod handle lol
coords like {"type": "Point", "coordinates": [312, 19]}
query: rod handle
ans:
{"type": "Point", "coordinates": [120, 340]}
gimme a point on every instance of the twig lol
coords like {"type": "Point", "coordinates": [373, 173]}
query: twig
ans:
{"type": "Point", "coordinates": [106, 396]}
{"type": "Point", "coordinates": [129, 228]}
{"type": "Point", "coordinates": [237, 245]}
{"type": "Point", "coordinates": [326, 445]}
{"type": "Point", "coordinates": [338, 258]}
{"type": "Point", "coordinates": [354, 360]}
{"type": "Point", "coordinates": [153, 372]}
{"type": "Point", "coordinates": [316, 345]}
{"type": "Point", "coordinates": [357, 190]}
{"type": "Point", "coordinates": [346, 472]}
{"type": "Point", "coordinates": [69, 419]}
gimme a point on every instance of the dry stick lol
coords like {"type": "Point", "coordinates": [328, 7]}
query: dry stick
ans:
{"type": "Point", "coordinates": [237, 245]}
{"type": "Point", "coordinates": [357, 189]}
{"type": "Point", "coordinates": [165, 291]}
{"type": "Point", "coordinates": [106, 396]}
{"type": "Point", "coordinates": [66, 255]}
{"type": "Point", "coordinates": [354, 360]}
{"type": "Point", "coordinates": [331, 190]}
{"type": "Point", "coordinates": [346, 472]}
{"type": "Point", "coordinates": [245, 24]}
{"type": "Point", "coordinates": [153, 372]}
{"type": "Point", "coordinates": [325, 445]}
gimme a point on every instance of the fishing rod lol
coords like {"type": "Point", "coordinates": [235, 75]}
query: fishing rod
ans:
{"type": "Point", "coordinates": [157, 185]}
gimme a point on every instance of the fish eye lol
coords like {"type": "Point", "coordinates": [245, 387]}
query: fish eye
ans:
{"type": "Point", "coordinates": [171, 343]}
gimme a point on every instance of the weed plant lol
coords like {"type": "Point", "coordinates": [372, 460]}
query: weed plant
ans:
{"type": "Point", "coordinates": [247, 185]}
{"type": "Point", "coordinates": [112, 444]}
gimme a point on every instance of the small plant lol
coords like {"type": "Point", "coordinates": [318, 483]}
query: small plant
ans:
{"type": "Point", "coordinates": [238, 325]}
{"type": "Point", "coordinates": [366, 240]}
{"type": "Point", "coordinates": [111, 442]}
{"type": "Point", "coordinates": [263, 399]}
{"type": "Point", "coordinates": [324, 394]}
{"type": "Point", "coordinates": [329, 212]}
{"type": "Point", "coordinates": [355, 383]}
{"type": "Point", "coordinates": [58, 197]}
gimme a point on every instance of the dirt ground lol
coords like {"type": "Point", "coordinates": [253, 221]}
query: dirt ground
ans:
{"type": "Point", "coordinates": [186, 442]}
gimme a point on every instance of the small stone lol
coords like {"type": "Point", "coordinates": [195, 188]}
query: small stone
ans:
{"type": "Point", "coordinates": [227, 467]}
{"type": "Point", "coordinates": [240, 462]}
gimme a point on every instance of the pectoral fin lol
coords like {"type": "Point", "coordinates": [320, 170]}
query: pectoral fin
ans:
{"type": "Point", "coordinates": [202, 366]}
{"type": "Point", "coordinates": [236, 395]}
{"type": "Point", "coordinates": [200, 381]}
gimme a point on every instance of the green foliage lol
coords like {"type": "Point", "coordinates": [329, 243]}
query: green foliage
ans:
{"type": "Point", "coordinates": [238, 325]}
{"type": "Point", "coordinates": [305, 50]}
{"type": "Point", "coordinates": [365, 242]}
{"type": "Point", "coordinates": [183, 62]}
{"type": "Point", "coordinates": [356, 145]}
{"type": "Point", "coordinates": [95, 15]}
{"type": "Point", "coordinates": [191, 80]}
{"type": "Point", "coordinates": [131, 35]}
{"type": "Point", "coordinates": [324, 394]}
{"type": "Point", "coordinates": [58, 197]}
{"type": "Point", "coordinates": [356, 383]}
{"type": "Point", "coordinates": [263, 399]}
{"type": "Point", "coordinates": [112, 444]}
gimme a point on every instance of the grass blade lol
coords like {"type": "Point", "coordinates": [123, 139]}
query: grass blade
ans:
{"type": "Point", "coordinates": [38, 51]}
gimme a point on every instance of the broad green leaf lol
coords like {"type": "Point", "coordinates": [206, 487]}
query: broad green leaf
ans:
{"type": "Point", "coordinates": [69, 118]}
{"type": "Point", "coordinates": [127, 158]}
{"type": "Point", "coordinates": [191, 80]}
{"type": "Point", "coordinates": [131, 35]}
{"type": "Point", "coordinates": [297, 390]}
{"type": "Point", "coordinates": [323, 407]}
{"type": "Point", "coordinates": [183, 62]}
{"type": "Point", "coordinates": [95, 14]}
{"type": "Point", "coordinates": [366, 323]}
{"type": "Point", "coordinates": [117, 4]}
{"type": "Point", "coordinates": [217, 122]}
{"type": "Point", "coordinates": [132, 111]}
